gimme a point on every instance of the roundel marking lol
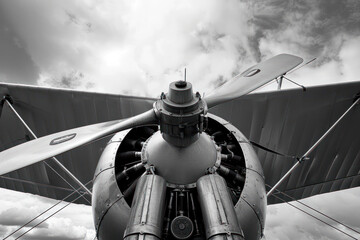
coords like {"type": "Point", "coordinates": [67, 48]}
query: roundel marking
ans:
{"type": "Point", "coordinates": [62, 139]}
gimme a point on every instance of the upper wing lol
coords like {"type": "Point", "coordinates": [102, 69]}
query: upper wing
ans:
{"type": "Point", "coordinates": [253, 78]}
{"type": "Point", "coordinates": [290, 122]}
{"type": "Point", "coordinates": [47, 111]}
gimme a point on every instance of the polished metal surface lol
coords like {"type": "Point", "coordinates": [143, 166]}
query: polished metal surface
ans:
{"type": "Point", "coordinates": [253, 195]}
{"type": "Point", "coordinates": [252, 79]}
{"type": "Point", "coordinates": [181, 114]}
{"type": "Point", "coordinates": [178, 165]}
{"type": "Point", "coordinates": [147, 209]}
{"type": "Point", "coordinates": [290, 121]}
{"type": "Point", "coordinates": [218, 213]}
{"type": "Point", "coordinates": [110, 210]}
{"type": "Point", "coordinates": [251, 207]}
{"type": "Point", "coordinates": [180, 93]}
{"type": "Point", "coordinates": [47, 111]}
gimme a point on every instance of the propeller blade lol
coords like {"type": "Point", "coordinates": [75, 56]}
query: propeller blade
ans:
{"type": "Point", "coordinates": [253, 78]}
{"type": "Point", "coordinates": [51, 145]}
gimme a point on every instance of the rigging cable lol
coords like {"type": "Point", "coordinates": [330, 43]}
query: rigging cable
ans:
{"type": "Point", "coordinates": [50, 216]}
{"type": "Point", "coordinates": [24, 225]}
{"type": "Point", "coordinates": [9, 103]}
{"type": "Point", "coordinates": [315, 217]}
{"type": "Point", "coordinates": [36, 183]}
{"type": "Point", "coordinates": [76, 190]}
{"type": "Point", "coordinates": [297, 158]}
{"type": "Point", "coordinates": [321, 213]}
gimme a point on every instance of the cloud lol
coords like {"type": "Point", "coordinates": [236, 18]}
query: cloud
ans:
{"type": "Point", "coordinates": [61, 228]}
{"type": "Point", "coordinates": [139, 47]}
{"type": "Point", "coordinates": [17, 217]}
{"type": "Point", "coordinates": [285, 222]}
{"type": "Point", "coordinates": [18, 208]}
{"type": "Point", "coordinates": [348, 54]}
{"type": "Point", "coordinates": [16, 65]}
{"type": "Point", "coordinates": [308, 28]}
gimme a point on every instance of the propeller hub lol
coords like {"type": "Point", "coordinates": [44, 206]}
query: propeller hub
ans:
{"type": "Point", "coordinates": [180, 92]}
{"type": "Point", "coordinates": [181, 114]}
{"type": "Point", "coordinates": [180, 98]}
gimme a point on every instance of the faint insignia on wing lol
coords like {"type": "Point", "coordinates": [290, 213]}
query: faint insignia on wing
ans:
{"type": "Point", "coordinates": [251, 72]}
{"type": "Point", "coordinates": [62, 139]}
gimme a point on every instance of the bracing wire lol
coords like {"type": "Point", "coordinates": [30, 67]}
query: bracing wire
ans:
{"type": "Point", "coordinates": [316, 217]}
{"type": "Point", "coordinates": [321, 213]}
{"type": "Point", "coordinates": [50, 216]}
{"type": "Point", "coordinates": [76, 190]}
{"type": "Point", "coordinates": [33, 219]}
{"type": "Point", "coordinates": [34, 136]}
{"type": "Point", "coordinates": [327, 181]}
{"type": "Point", "coordinates": [36, 183]}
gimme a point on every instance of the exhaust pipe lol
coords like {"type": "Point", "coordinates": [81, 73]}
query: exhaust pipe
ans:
{"type": "Point", "coordinates": [147, 211]}
{"type": "Point", "coordinates": [217, 209]}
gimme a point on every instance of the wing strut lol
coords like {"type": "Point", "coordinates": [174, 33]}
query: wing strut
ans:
{"type": "Point", "coordinates": [55, 159]}
{"type": "Point", "coordinates": [305, 156]}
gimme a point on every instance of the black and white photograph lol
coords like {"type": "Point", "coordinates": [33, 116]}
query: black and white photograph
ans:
{"type": "Point", "coordinates": [174, 120]}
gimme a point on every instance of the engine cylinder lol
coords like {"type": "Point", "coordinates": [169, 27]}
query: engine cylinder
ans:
{"type": "Point", "coordinates": [217, 208]}
{"type": "Point", "coordinates": [148, 208]}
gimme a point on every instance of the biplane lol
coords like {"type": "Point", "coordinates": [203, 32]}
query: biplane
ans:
{"type": "Point", "coordinates": [183, 166]}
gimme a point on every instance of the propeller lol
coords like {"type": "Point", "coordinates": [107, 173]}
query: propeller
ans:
{"type": "Point", "coordinates": [48, 146]}
{"type": "Point", "coordinates": [168, 112]}
{"type": "Point", "coordinates": [253, 78]}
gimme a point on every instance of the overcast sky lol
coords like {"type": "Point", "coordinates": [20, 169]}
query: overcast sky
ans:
{"type": "Point", "coordinates": [138, 47]}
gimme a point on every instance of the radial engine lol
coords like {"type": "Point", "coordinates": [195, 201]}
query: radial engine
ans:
{"type": "Point", "coordinates": [193, 176]}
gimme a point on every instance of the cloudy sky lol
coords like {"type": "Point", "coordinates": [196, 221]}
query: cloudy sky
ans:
{"type": "Point", "coordinates": [138, 47]}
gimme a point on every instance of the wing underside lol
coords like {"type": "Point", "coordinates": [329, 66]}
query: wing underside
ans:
{"type": "Point", "coordinates": [290, 122]}
{"type": "Point", "coordinates": [48, 111]}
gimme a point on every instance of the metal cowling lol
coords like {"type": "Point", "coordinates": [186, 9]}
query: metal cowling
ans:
{"type": "Point", "coordinates": [217, 209]}
{"type": "Point", "coordinates": [147, 211]}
